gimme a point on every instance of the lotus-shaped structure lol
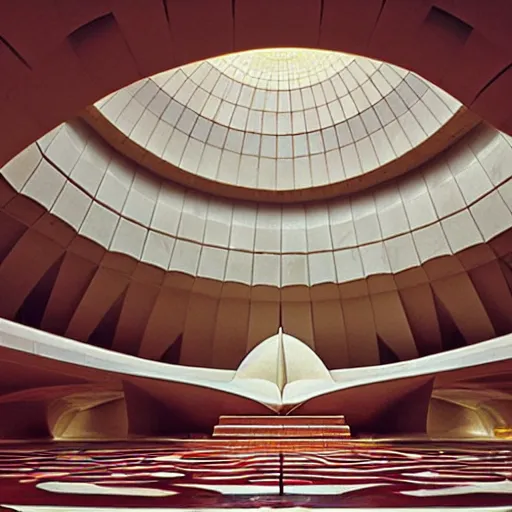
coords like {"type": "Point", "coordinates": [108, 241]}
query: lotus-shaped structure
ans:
{"type": "Point", "coordinates": [79, 391]}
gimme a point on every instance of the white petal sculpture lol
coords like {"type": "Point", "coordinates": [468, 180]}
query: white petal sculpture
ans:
{"type": "Point", "coordinates": [281, 374]}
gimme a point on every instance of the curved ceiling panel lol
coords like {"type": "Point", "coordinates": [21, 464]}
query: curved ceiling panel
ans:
{"type": "Point", "coordinates": [281, 124]}
{"type": "Point", "coordinates": [458, 200]}
{"type": "Point", "coordinates": [57, 59]}
{"type": "Point", "coordinates": [97, 249]}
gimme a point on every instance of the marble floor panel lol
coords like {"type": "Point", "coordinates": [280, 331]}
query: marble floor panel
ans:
{"type": "Point", "coordinates": [199, 475]}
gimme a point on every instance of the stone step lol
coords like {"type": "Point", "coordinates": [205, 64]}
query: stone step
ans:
{"type": "Point", "coordinates": [267, 445]}
{"type": "Point", "coordinates": [281, 431]}
{"type": "Point", "coordinates": [282, 420]}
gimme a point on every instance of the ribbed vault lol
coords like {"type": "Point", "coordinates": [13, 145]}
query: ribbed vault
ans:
{"type": "Point", "coordinates": [301, 125]}
{"type": "Point", "coordinates": [60, 57]}
{"type": "Point", "coordinates": [98, 250]}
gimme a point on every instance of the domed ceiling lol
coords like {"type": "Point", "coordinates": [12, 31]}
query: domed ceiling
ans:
{"type": "Point", "coordinates": [281, 125]}
{"type": "Point", "coordinates": [144, 225]}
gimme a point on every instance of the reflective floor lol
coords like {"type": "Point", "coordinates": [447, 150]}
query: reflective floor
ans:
{"type": "Point", "coordinates": [197, 475]}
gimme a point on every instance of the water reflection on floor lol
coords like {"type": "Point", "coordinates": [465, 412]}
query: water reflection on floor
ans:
{"type": "Point", "coordinates": [204, 475]}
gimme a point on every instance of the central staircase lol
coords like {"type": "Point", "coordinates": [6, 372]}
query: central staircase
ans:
{"type": "Point", "coordinates": [281, 427]}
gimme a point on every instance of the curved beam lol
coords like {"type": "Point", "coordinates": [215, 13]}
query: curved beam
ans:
{"type": "Point", "coordinates": [180, 388]}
